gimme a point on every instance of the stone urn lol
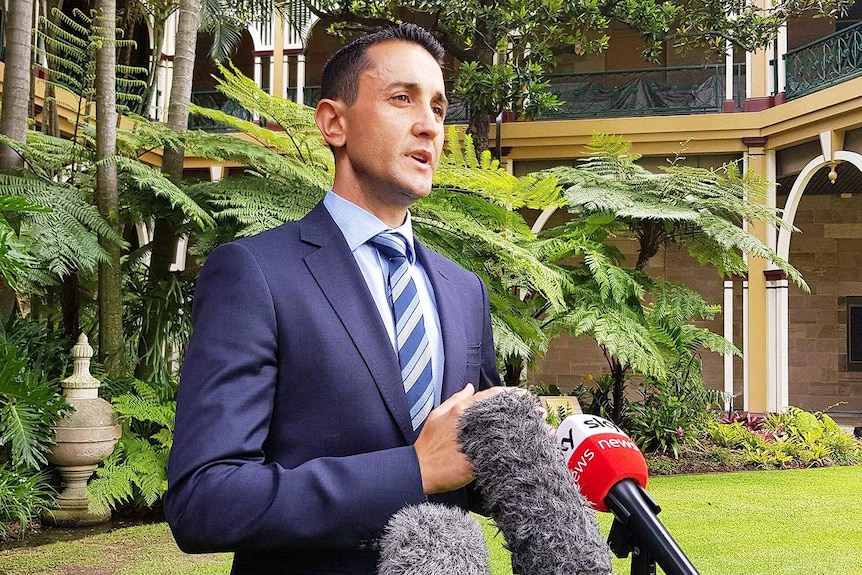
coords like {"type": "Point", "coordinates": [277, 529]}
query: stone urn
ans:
{"type": "Point", "coordinates": [83, 439]}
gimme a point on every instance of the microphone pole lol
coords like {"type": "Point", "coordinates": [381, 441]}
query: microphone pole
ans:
{"type": "Point", "coordinates": [636, 530]}
{"type": "Point", "coordinates": [611, 472]}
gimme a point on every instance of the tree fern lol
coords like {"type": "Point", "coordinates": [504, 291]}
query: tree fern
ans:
{"type": "Point", "coordinates": [259, 204]}
{"type": "Point", "coordinates": [68, 60]}
{"type": "Point", "coordinates": [144, 177]}
{"type": "Point", "coordinates": [136, 471]}
{"type": "Point", "coordinates": [15, 259]}
{"type": "Point", "coordinates": [464, 171]}
{"type": "Point", "coordinates": [699, 209]}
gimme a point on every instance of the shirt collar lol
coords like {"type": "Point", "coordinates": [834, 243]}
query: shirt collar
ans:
{"type": "Point", "coordinates": [358, 225]}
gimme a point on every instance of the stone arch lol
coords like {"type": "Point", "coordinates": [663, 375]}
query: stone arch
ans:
{"type": "Point", "coordinates": [254, 32]}
{"type": "Point", "coordinates": [798, 189]}
{"type": "Point", "coordinates": [305, 33]}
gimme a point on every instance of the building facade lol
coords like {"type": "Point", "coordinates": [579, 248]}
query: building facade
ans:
{"type": "Point", "coordinates": [791, 112]}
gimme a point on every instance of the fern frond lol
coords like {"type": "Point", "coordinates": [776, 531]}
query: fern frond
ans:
{"type": "Point", "coordinates": [461, 171]}
{"type": "Point", "coordinates": [148, 178]}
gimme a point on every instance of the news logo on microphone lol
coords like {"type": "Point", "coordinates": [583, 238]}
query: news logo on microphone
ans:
{"type": "Point", "coordinates": [599, 455]}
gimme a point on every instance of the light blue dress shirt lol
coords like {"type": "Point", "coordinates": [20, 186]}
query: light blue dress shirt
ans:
{"type": "Point", "coordinates": [358, 226]}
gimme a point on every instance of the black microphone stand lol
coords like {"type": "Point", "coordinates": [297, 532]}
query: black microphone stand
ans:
{"type": "Point", "coordinates": [636, 530]}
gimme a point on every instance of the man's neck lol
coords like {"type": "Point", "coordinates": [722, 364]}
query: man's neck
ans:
{"type": "Point", "coordinates": [392, 216]}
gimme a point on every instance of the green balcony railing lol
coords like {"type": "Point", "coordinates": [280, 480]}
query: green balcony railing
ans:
{"type": "Point", "coordinates": [823, 63]}
{"type": "Point", "coordinates": [653, 91]}
{"type": "Point", "coordinates": [648, 92]}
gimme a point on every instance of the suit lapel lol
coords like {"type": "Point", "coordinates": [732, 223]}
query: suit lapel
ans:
{"type": "Point", "coordinates": [336, 272]}
{"type": "Point", "coordinates": [451, 321]}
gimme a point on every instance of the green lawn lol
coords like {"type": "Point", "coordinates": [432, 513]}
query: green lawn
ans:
{"type": "Point", "coordinates": [761, 523]}
{"type": "Point", "coordinates": [805, 522]}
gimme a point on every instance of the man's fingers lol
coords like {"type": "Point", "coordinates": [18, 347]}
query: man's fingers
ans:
{"type": "Point", "coordinates": [454, 399]}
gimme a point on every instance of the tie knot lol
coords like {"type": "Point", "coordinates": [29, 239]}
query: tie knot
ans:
{"type": "Point", "coordinates": [391, 245]}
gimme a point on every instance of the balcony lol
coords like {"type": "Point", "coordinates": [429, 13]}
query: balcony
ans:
{"type": "Point", "coordinates": [823, 63]}
{"type": "Point", "coordinates": [649, 92]}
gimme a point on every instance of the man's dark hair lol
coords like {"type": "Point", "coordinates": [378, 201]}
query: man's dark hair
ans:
{"type": "Point", "coordinates": [342, 71]}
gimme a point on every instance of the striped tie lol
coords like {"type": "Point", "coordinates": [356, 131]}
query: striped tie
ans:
{"type": "Point", "coordinates": [414, 353]}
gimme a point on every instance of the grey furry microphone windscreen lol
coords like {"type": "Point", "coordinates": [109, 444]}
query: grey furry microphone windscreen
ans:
{"type": "Point", "coordinates": [529, 491]}
{"type": "Point", "coordinates": [432, 539]}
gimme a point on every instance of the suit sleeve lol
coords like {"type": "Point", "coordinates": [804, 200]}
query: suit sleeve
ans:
{"type": "Point", "coordinates": [489, 374]}
{"type": "Point", "coordinates": [223, 493]}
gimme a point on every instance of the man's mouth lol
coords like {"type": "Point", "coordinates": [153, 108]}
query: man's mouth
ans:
{"type": "Point", "coordinates": [421, 157]}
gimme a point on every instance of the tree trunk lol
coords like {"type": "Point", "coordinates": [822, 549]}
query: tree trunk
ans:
{"type": "Point", "coordinates": [618, 374]}
{"type": "Point", "coordinates": [164, 233]}
{"type": "Point", "coordinates": [651, 238]}
{"type": "Point", "coordinates": [110, 276]}
{"type": "Point", "coordinates": [71, 305]}
{"type": "Point", "coordinates": [478, 129]}
{"type": "Point", "coordinates": [512, 373]}
{"type": "Point", "coordinates": [16, 82]}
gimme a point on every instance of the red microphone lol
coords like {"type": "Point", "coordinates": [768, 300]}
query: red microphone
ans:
{"type": "Point", "coordinates": [611, 473]}
{"type": "Point", "coordinates": [600, 455]}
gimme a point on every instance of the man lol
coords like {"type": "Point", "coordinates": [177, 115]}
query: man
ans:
{"type": "Point", "coordinates": [315, 401]}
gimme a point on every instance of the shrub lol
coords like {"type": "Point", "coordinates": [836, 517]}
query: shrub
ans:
{"type": "Point", "coordinates": [24, 495]}
{"type": "Point", "coordinates": [796, 438]}
{"type": "Point", "coordinates": [597, 399]}
{"type": "Point", "coordinates": [31, 359]}
{"type": "Point", "coordinates": [672, 412]}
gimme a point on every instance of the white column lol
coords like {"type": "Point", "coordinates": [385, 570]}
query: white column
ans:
{"type": "Point", "coordinates": [166, 74]}
{"type": "Point", "coordinates": [258, 80]}
{"type": "Point", "coordinates": [285, 75]}
{"type": "Point", "coordinates": [779, 59]}
{"type": "Point", "coordinates": [771, 346]}
{"type": "Point", "coordinates": [271, 75]}
{"type": "Point", "coordinates": [728, 72]}
{"type": "Point", "coordinates": [778, 341]}
{"type": "Point", "coordinates": [745, 339]}
{"type": "Point", "coordinates": [143, 233]}
{"type": "Point", "coordinates": [300, 79]}
{"type": "Point", "coordinates": [727, 309]}
{"type": "Point", "coordinates": [748, 75]}
{"type": "Point", "coordinates": [783, 345]}
{"type": "Point", "coordinates": [770, 72]}
{"type": "Point", "coordinates": [775, 389]}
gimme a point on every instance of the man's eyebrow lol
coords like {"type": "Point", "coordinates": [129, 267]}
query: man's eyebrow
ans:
{"type": "Point", "coordinates": [414, 86]}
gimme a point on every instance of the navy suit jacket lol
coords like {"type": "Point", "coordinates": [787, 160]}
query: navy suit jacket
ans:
{"type": "Point", "coordinates": [293, 442]}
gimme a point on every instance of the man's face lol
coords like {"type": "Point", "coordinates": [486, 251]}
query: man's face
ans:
{"type": "Point", "coordinates": [394, 129]}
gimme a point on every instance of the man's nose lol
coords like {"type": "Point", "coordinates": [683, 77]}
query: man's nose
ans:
{"type": "Point", "coordinates": [427, 123]}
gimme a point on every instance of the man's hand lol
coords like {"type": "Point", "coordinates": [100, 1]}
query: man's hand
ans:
{"type": "Point", "coordinates": [441, 463]}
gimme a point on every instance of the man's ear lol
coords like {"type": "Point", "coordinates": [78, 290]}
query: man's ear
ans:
{"type": "Point", "coordinates": [330, 119]}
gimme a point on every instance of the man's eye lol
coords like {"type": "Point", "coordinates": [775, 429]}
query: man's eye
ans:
{"type": "Point", "coordinates": [439, 111]}
{"type": "Point", "coordinates": [402, 98]}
